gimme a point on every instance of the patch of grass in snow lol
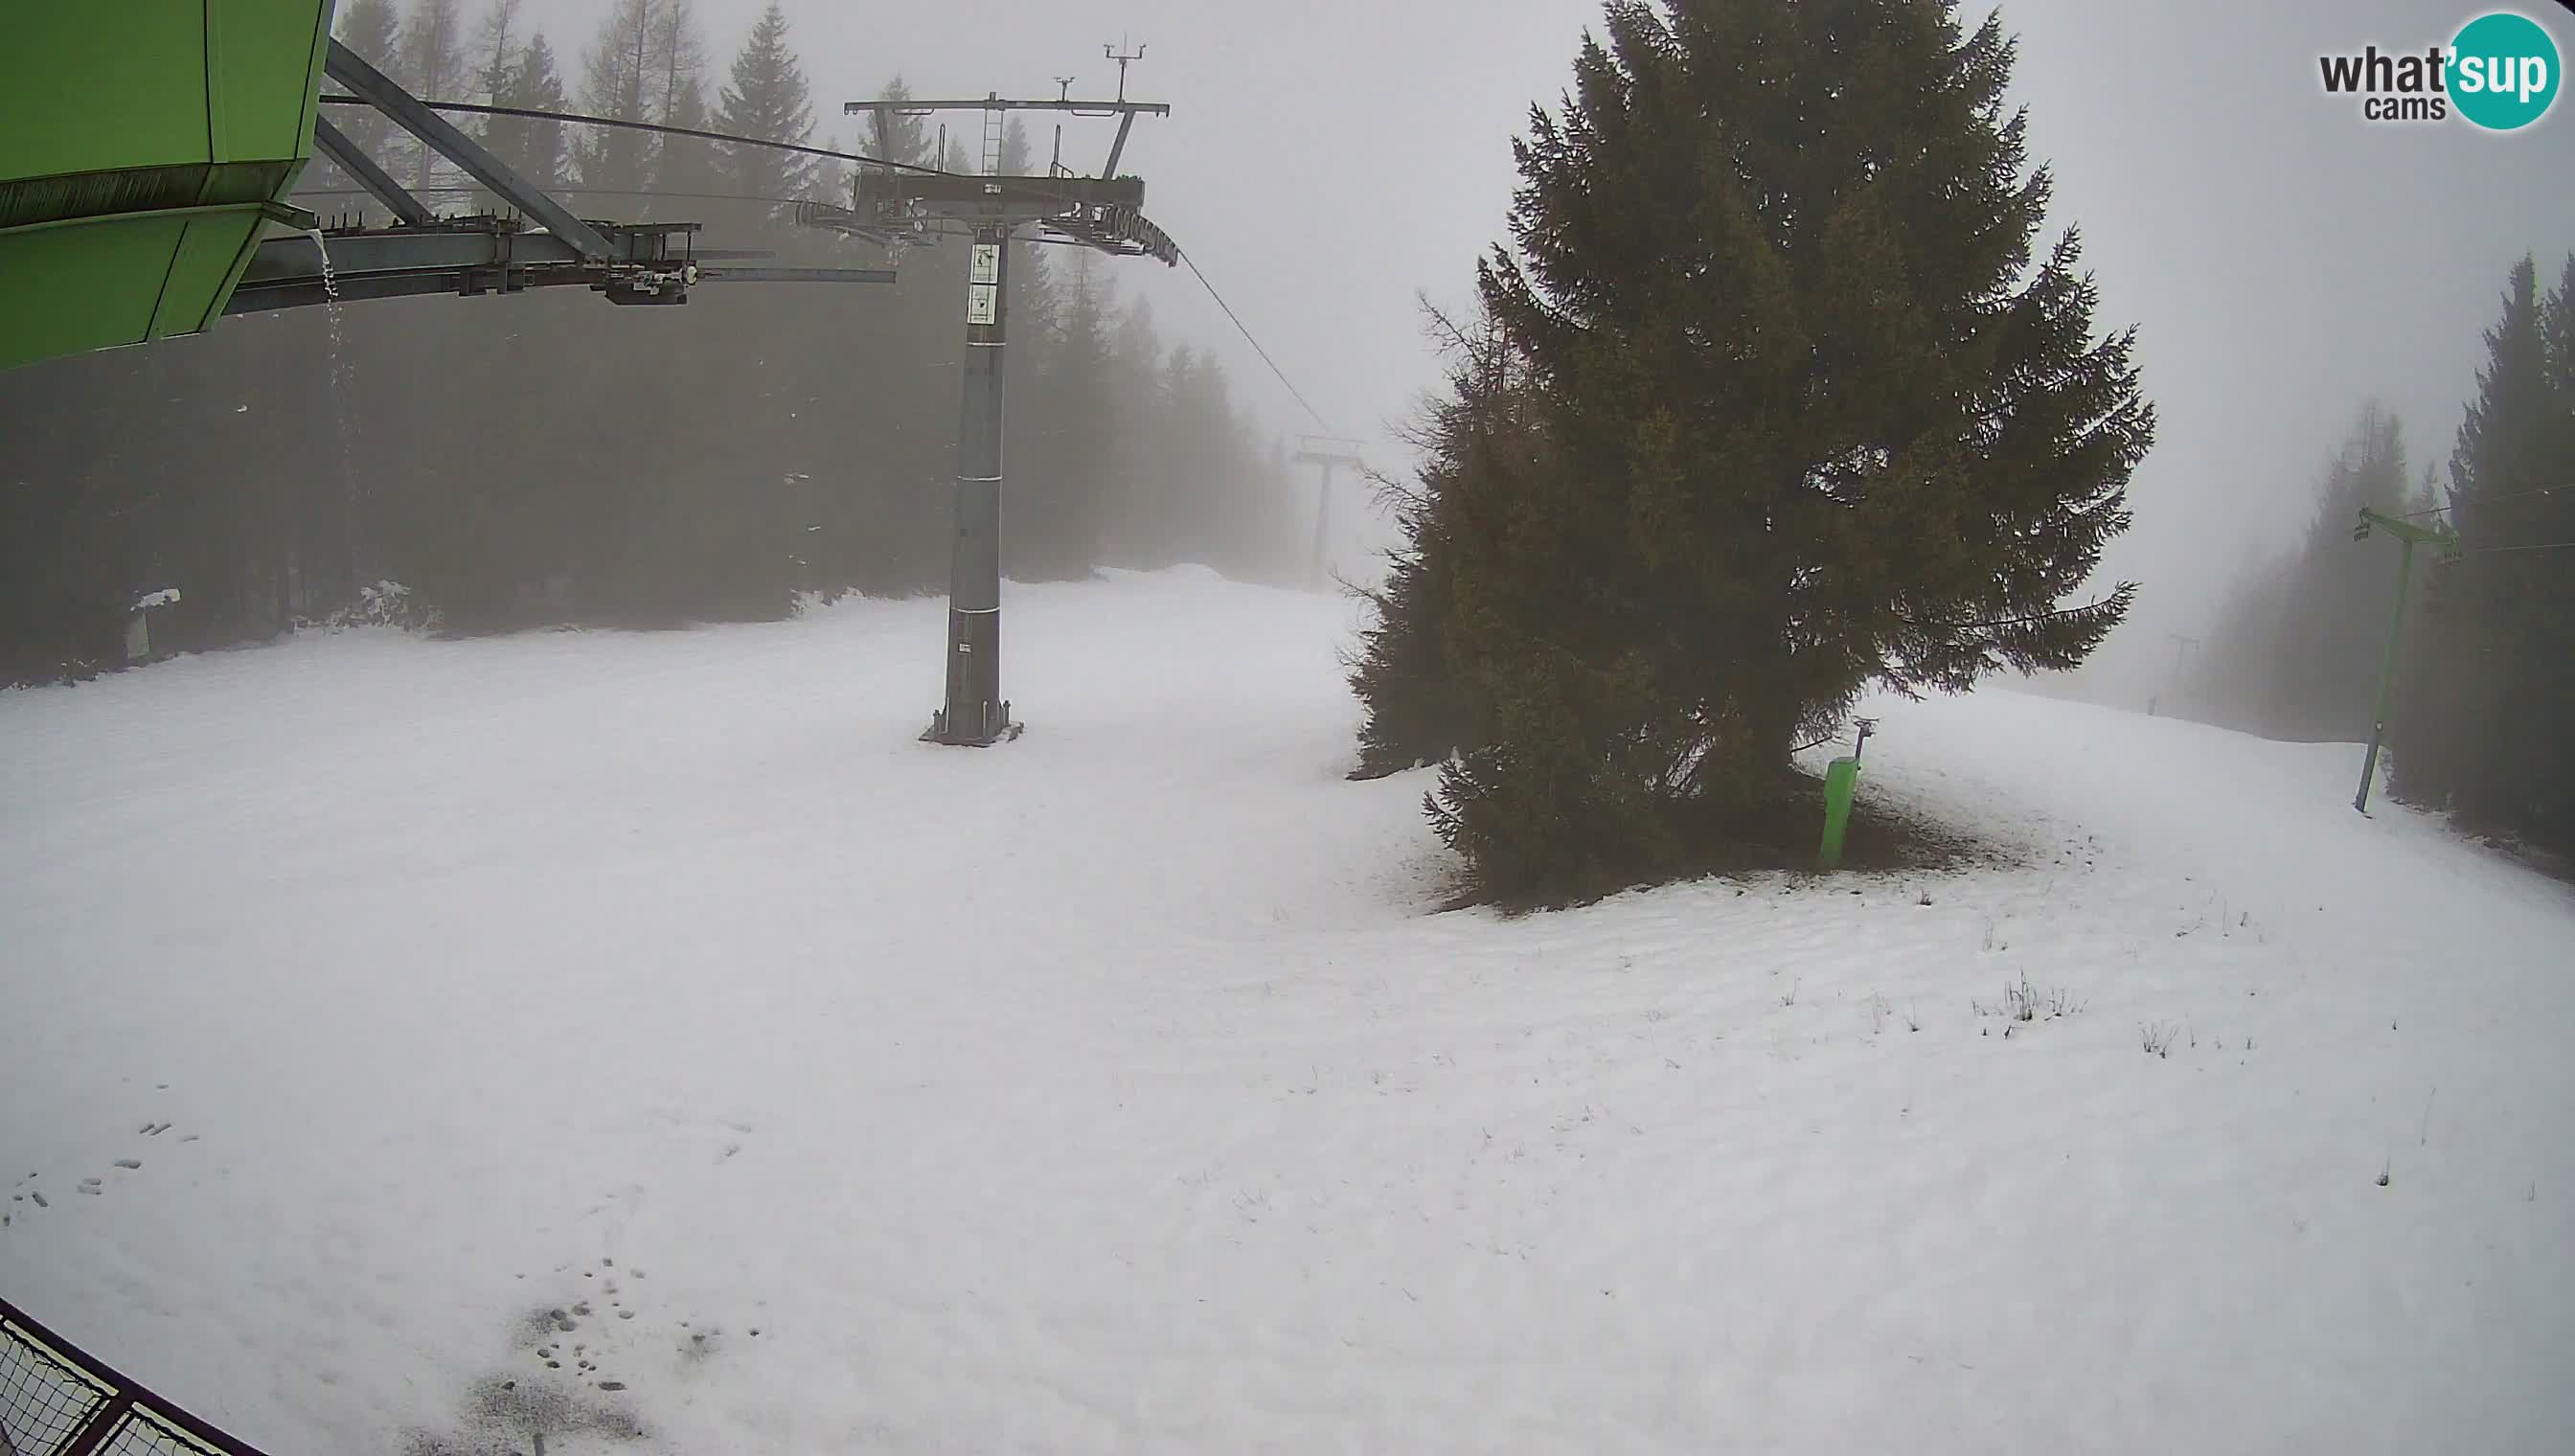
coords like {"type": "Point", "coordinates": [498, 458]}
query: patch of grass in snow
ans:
{"type": "Point", "coordinates": [517, 1412]}
{"type": "Point", "coordinates": [2023, 1002]}
{"type": "Point", "coordinates": [1880, 1009]}
{"type": "Point", "coordinates": [512, 1416]}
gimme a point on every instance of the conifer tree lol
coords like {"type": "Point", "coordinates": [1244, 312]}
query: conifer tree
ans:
{"type": "Point", "coordinates": [2486, 702]}
{"type": "Point", "coordinates": [2318, 638]}
{"type": "Point", "coordinates": [895, 137]}
{"type": "Point", "coordinates": [537, 147]}
{"type": "Point", "coordinates": [431, 53]}
{"type": "Point", "coordinates": [684, 168]}
{"type": "Point", "coordinates": [767, 98]}
{"type": "Point", "coordinates": [371, 28]}
{"type": "Point", "coordinates": [1814, 413]}
{"type": "Point", "coordinates": [829, 181]}
{"type": "Point", "coordinates": [368, 27]}
{"type": "Point", "coordinates": [1468, 438]}
{"type": "Point", "coordinates": [675, 55]}
{"type": "Point", "coordinates": [1035, 305]}
{"type": "Point", "coordinates": [617, 82]}
{"type": "Point", "coordinates": [496, 50]}
{"type": "Point", "coordinates": [1081, 374]}
{"type": "Point", "coordinates": [675, 58]}
{"type": "Point", "coordinates": [495, 59]}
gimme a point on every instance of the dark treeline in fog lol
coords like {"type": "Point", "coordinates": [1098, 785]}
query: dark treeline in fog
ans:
{"type": "Point", "coordinates": [550, 457]}
{"type": "Point", "coordinates": [1759, 415]}
{"type": "Point", "coordinates": [2297, 653]}
{"type": "Point", "coordinates": [2485, 704]}
{"type": "Point", "coordinates": [2484, 697]}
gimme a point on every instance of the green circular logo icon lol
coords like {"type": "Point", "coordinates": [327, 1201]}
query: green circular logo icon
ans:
{"type": "Point", "coordinates": [2503, 71]}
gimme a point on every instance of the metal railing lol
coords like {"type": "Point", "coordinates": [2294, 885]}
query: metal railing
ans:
{"type": "Point", "coordinates": [57, 1402]}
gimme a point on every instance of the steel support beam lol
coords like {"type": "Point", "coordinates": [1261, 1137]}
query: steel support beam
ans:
{"type": "Point", "coordinates": [957, 194]}
{"type": "Point", "coordinates": [725, 273]}
{"type": "Point", "coordinates": [996, 103]}
{"type": "Point", "coordinates": [304, 292]}
{"type": "Point", "coordinates": [440, 136]}
{"type": "Point", "coordinates": [1117, 148]}
{"type": "Point", "coordinates": [362, 169]}
{"type": "Point", "coordinates": [355, 255]}
{"type": "Point", "coordinates": [287, 272]}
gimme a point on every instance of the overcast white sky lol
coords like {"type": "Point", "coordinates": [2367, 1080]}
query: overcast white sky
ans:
{"type": "Point", "coordinates": [1326, 159]}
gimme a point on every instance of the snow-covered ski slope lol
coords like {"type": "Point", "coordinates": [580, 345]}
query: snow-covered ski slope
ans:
{"type": "Point", "coordinates": [1120, 1089]}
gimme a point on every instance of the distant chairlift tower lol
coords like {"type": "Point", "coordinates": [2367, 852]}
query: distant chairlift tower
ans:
{"type": "Point", "coordinates": [896, 209]}
{"type": "Point", "coordinates": [1329, 452]}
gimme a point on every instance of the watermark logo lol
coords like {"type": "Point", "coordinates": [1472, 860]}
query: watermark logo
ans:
{"type": "Point", "coordinates": [2501, 72]}
{"type": "Point", "coordinates": [2504, 71]}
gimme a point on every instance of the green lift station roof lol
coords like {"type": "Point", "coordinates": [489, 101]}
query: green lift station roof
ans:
{"type": "Point", "coordinates": [145, 146]}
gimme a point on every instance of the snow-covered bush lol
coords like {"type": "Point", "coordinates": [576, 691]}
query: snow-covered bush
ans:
{"type": "Point", "coordinates": [385, 604]}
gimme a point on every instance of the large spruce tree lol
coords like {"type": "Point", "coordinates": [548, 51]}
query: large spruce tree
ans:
{"type": "Point", "coordinates": [766, 98]}
{"type": "Point", "coordinates": [1813, 416]}
{"type": "Point", "coordinates": [1482, 434]}
{"type": "Point", "coordinates": [534, 145]}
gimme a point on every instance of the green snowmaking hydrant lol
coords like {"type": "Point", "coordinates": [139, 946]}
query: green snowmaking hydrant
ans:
{"type": "Point", "coordinates": [1841, 781]}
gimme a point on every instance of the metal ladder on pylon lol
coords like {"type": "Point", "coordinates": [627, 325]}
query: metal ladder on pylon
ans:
{"type": "Point", "coordinates": [992, 132]}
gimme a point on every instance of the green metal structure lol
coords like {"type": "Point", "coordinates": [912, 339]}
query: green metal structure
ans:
{"type": "Point", "coordinates": [145, 147]}
{"type": "Point", "coordinates": [1841, 783]}
{"type": "Point", "coordinates": [2442, 540]}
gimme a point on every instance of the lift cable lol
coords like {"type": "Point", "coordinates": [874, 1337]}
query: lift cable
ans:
{"type": "Point", "coordinates": [658, 127]}
{"type": "Point", "coordinates": [1239, 327]}
{"type": "Point", "coordinates": [578, 118]}
{"type": "Point", "coordinates": [2482, 500]}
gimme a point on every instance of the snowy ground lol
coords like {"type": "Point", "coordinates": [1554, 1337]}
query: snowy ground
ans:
{"type": "Point", "coordinates": [1117, 1090]}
